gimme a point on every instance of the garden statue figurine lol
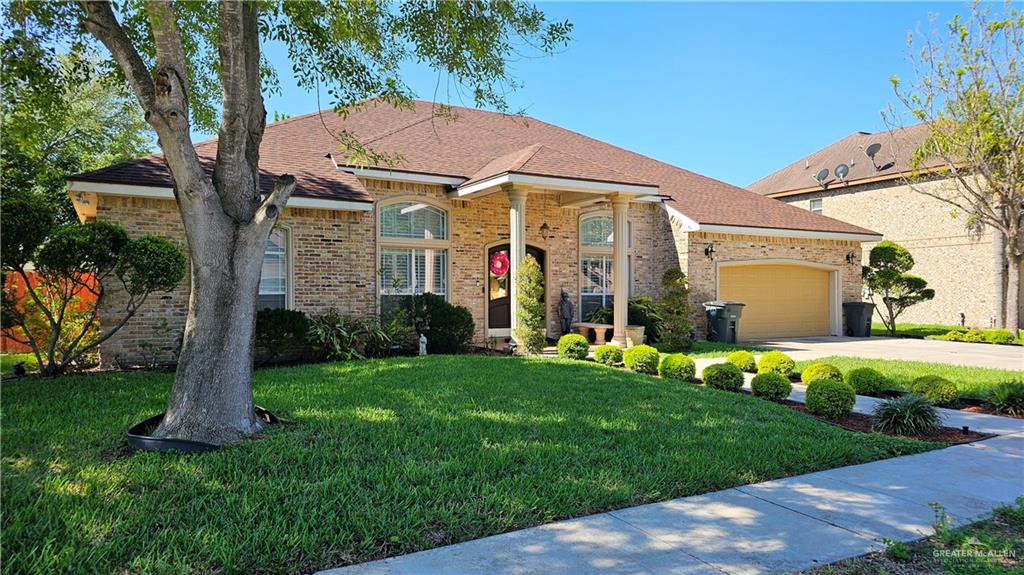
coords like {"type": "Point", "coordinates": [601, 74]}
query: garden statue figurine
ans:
{"type": "Point", "coordinates": [423, 344]}
{"type": "Point", "coordinates": [566, 313]}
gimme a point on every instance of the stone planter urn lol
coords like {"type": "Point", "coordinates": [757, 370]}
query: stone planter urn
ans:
{"type": "Point", "coordinates": [634, 335]}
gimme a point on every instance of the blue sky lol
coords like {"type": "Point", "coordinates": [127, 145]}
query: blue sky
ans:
{"type": "Point", "coordinates": [733, 91]}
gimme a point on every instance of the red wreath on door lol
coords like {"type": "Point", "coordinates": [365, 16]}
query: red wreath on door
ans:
{"type": "Point", "coordinates": [499, 264]}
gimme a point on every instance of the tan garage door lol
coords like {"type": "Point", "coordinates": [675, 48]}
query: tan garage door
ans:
{"type": "Point", "coordinates": [782, 300]}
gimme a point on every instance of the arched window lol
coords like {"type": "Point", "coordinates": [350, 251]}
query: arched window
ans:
{"type": "Point", "coordinates": [413, 251]}
{"type": "Point", "coordinates": [274, 282]}
{"type": "Point", "coordinates": [597, 241]}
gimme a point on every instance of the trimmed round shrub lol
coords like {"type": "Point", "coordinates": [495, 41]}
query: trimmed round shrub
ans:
{"type": "Point", "coordinates": [907, 415]}
{"type": "Point", "coordinates": [866, 381]}
{"type": "Point", "coordinates": [937, 390]}
{"type": "Point", "coordinates": [608, 354]}
{"type": "Point", "coordinates": [974, 336]}
{"type": "Point", "coordinates": [723, 376]}
{"type": "Point", "coordinates": [776, 362]}
{"type": "Point", "coordinates": [830, 398]}
{"type": "Point", "coordinates": [573, 346]}
{"type": "Point", "coordinates": [677, 366]}
{"type": "Point", "coordinates": [999, 336]}
{"type": "Point", "coordinates": [743, 360]}
{"type": "Point", "coordinates": [1008, 397]}
{"type": "Point", "coordinates": [642, 359]}
{"type": "Point", "coordinates": [771, 386]}
{"type": "Point", "coordinates": [954, 335]}
{"type": "Point", "coordinates": [820, 371]}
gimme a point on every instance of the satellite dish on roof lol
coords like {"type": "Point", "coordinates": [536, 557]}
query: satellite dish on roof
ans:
{"type": "Point", "coordinates": [822, 177]}
{"type": "Point", "coordinates": [872, 150]}
{"type": "Point", "coordinates": [842, 170]}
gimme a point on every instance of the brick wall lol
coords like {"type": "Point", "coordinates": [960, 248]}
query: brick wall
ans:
{"type": "Point", "coordinates": [958, 263]}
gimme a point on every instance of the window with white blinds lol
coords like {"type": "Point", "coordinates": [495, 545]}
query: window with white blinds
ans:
{"type": "Point", "coordinates": [413, 251]}
{"type": "Point", "coordinates": [597, 240]}
{"type": "Point", "coordinates": [273, 293]}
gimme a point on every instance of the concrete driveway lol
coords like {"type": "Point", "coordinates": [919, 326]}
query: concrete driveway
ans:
{"type": "Point", "coordinates": [976, 354]}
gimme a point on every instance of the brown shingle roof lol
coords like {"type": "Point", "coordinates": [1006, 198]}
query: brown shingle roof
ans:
{"type": "Point", "coordinates": [889, 163]}
{"type": "Point", "coordinates": [473, 143]}
{"type": "Point", "coordinates": [540, 160]}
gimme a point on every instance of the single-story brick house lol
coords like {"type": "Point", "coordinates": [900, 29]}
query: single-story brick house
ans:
{"type": "Point", "coordinates": [957, 259]}
{"type": "Point", "coordinates": [465, 194]}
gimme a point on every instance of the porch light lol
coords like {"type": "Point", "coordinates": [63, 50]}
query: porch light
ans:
{"type": "Point", "coordinates": [709, 251]}
{"type": "Point", "coordinates": [545, 231]}
{"type": "Point", "coordinates": [851, 257]}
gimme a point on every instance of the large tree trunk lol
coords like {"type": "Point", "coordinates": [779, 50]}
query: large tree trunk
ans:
{"type": "Point", "coordinates": [212, 398]}
{"type": "Point", "coordinates": [1013, 291]}
{"type": "Point", "coordinates": [999, 260]}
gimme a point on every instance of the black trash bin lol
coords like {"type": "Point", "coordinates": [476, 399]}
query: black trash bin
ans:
{"type": "Point", "coordinates": [858, 318]}
{"type": "Point", "coordinates": [723, 320]}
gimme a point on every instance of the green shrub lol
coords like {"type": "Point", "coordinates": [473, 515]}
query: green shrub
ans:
{"type": "Point", "coordinates": [938, 390]}
{"type": "Point", "coordinates": [449, 328]}
{"type": "Point", "coordinates": [866, 381]}
{"type": "Point", "coordinates": [723, 376]}
{"type": "Point", "coordinates": [743, 360]}
{"type": "Point", "coordinates": [953, 335]}
{"type": "Point", "coordinates": [573, 346]}
{"type": "Point", "coordinates": [974, 336]}
{"type": "Point", "coordinates": [907, 415]}
{"type": "Point", "coordinates": [280, 333]}
{"type": "Point", "coordinates": [677, 366]}
{"type": "Point", "coordinates": [608, 354]}
{"type": "Point", "coordinates": [674, 308]}
{"type": "Point", "coordinates": [830, 398]}
{"type": "Point", "coordinates": [642, 359]}
{"type": "Point", "coordinates": [529, 334]}
{"type": "Point", "coordinates": [820, 371]}
{"type": "Point", "coordinates": [999, 336]}
{"type": "Point", "coordinates": [1008, 397]}
{"type": "Point", "coordinates": [776, 362]}
{"type": "Point", "coordinates": [771, 386]}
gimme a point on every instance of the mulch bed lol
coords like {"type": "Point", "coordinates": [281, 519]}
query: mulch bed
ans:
{"type": "Point", "coordinates": [862, 423]}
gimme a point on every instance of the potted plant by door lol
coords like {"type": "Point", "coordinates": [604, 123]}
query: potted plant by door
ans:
{"type": "Point", "coordinates": [634, 335]}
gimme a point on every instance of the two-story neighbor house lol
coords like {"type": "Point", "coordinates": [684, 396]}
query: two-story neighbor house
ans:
{"type": "Point", "coordinates": [485, 188]}
{"type": "Point", "coordinates": [958, 260]}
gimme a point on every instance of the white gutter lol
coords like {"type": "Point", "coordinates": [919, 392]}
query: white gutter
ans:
{"type": "Point", "coordinates": [690, 225]}
{"type": "Point", "coordinates": [401, 176]}
{"type": "Point", "coordinates": [131, 190]}
{"type": "Point", "coordinates": [554, 183]}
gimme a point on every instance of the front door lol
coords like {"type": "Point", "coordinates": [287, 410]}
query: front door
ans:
{"type": "Point", "coordinates": [499, 310]}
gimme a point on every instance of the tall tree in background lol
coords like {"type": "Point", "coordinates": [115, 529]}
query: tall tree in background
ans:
{"type": "Point", "coordinates": [199, 64]}
{"type": "Point", "coordinates": [61, 115]}
{"type": "Point", "coordinates": [969, 90]}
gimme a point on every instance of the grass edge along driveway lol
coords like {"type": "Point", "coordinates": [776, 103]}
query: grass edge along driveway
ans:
{"type": "Point", "coordinates": [379, 458]}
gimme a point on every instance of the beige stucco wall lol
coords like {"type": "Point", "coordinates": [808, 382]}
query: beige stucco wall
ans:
{"type": "Point", "coordinates": [958, 264]}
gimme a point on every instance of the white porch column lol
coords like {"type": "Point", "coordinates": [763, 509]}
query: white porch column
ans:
{"type": "Point", "coordinates": [620, 273]}
{"type": "Point", "coordinates": [517, 246]}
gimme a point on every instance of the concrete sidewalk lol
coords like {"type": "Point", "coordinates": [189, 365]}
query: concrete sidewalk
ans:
{"type": "Point", "coordinates": [772, 527]}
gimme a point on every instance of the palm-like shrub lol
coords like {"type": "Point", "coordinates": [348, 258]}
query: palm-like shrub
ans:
{"type": "Point", "coordinates": [771, 386]}
{"type": "Point", "coordinates": [830, 398]}
{"type": "Point", "coordinates": [1008, 397]}
{"type": "Point", "coordinates": [821, 371]}
{"type": "Point", "coordinates": [677, 366]}
{"type": "Point", "coordinates": [866, 381]}
{"type": "Point", "coordinates": [642, 359]}
{"type": "Point", "coordinates": [938, 390]}
{"type": "Point", "coordinates": [908, 415]}
{"type": "Point", "coordinates": [608, 354]}
{"type": "Point", "coordinates": [742, 359]}
{"type": "Point", "coordinates": [776, 362]}
{"type": "Point", "coordinates": [573, 346]}
{"type": "Point", "coordinates": [723, 376]}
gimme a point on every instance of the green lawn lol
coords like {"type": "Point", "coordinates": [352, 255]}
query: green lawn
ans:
{"type": "Point", "coordinates": [711, 349]}
{"type": "Point", "coordinates": [7, 361]}
{"type": "Point", "coordinates": [972, 381]}
{"type": "Point", "coordinates": [915, 329]}
{"type": "Point", "coordinates": [380, 458]}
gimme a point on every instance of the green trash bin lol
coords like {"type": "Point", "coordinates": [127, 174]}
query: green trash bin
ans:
{"type": "Point", "coordinates": [723, 320]}
{"type": "Point", "coordinates": [858, 318]}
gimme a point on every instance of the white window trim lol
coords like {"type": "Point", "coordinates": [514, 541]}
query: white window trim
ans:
{"type": "Point", "coordinates": [383, 242]}
{"type": "Point", "coordinates": [289, 275]}
{"type": "Point", "coordinates": [598, 251]}
{"type": "Point", "coordinates": [821, 206]}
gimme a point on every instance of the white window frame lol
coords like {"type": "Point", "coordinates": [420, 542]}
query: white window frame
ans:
{"type": "Point", "coordinates": [288, 259]}
{"type": "Point", "coordinates": [385, 243]}
{"type": "Point", "coordinates": [815, 208]}
{"type": "Point", "coordinates": [607, 251]}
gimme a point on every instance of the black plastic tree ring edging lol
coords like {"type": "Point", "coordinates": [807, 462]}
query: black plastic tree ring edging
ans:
{"type": "Point", "coordinates": [139, 438]}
